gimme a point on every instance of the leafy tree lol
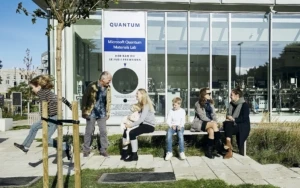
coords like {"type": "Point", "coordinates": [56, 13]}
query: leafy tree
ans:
{"type": "Point", "coordinates": [66, 13]}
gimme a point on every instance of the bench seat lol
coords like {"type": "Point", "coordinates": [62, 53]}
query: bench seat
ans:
{"type": "Point", "coordinates": [186, 132]}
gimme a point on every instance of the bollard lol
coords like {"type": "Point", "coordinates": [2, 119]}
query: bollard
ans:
{"type": "Point", "coordinates": [45, 145]}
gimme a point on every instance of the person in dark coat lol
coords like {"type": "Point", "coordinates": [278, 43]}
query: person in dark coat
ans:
{"type": "Point", "coordinates": [237, 122]}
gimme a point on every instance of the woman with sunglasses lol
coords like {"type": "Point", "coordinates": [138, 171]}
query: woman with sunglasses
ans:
{"type": "Point", "coordinates": [205, 116]}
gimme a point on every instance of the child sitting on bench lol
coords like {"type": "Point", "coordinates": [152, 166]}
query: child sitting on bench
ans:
{"type": "Point", "coordinates": [135, 109]}
{"type": "Point", "coordinates": [175, 121]}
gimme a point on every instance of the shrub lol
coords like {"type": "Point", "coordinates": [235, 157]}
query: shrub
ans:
{"type": "Point", "coordinates": [275, 145]}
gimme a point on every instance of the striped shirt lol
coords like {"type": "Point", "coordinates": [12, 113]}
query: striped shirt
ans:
{"type": "Point", "coordinates": [51, 98]}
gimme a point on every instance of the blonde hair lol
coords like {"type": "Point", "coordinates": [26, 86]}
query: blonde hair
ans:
{"type": "Point", "coordinates": [145, 100]}
{"type": "Point", "coordinates": [135, 107]}
{"type": "Point", "coordinates": [177, 100]}
{"type": "Point", "coordinates": [45, 81]}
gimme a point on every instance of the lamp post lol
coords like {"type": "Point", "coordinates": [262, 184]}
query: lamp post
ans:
{"type": "Point", "coordinates": [240, 61]}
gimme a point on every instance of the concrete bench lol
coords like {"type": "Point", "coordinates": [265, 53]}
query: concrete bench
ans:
{"type": "Point", "coordinates": [186, 132]}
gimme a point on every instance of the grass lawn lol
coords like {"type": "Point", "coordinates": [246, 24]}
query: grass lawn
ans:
{"type": "Point", "coordinates": [89, 179]}
{"type": "Point", "coordinates": [20, 127]}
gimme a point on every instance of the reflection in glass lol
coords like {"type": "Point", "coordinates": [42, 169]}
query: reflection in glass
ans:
{"type": "Point", "coordinates": [177, 57]}
{"type": "Point", "coordinates": [156, 61]}
{"type": "Point", "coordinates": [220, 61]}
{"type": "Point", "coordinates": [199, 57]}
{"type": "Point", "coordinates": [87, 52]}
{"type": "Point", "coordinates": [250, 46]}
{"type": "Point", "coordinates": [286, 66]}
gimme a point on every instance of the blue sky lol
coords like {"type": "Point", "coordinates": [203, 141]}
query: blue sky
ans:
{"type": "Point", "coordinates": [17, 33]}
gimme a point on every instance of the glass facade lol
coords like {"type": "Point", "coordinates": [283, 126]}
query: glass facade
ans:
{"type": "Point", "coordinates": [191, 50]}
{"type": "Point", "coordinates": [286, 63]}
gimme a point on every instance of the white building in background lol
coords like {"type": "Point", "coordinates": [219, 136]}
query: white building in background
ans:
{"type": "Point", "coordinates": [10, 78]}
{"type": "Point", "coordinates": [43, 68]}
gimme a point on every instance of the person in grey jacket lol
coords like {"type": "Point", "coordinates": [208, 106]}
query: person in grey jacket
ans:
{"type": "Point", "coordinates": [207, 119]}
{"type": "Point", "coordinates": [146, 124]}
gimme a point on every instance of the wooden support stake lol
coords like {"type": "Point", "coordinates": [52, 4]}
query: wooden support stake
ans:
{"type": "Point", "coordinates": [76, 145]}
{"type": "Point", "coordinates": [45, 145]}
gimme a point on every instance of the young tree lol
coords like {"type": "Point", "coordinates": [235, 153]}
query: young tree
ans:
{"type": "Point", "coordinates": [29, 71]}
{"type": "Point", "coordinates": [66, 13]}
{"type": "Point", "coordinates": [1, 68]}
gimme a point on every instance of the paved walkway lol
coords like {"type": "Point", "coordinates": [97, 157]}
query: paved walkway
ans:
{"type": "Point", "coordinates": [238, 170]}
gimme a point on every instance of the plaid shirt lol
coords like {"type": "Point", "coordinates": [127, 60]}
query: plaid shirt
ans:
{"type": "Point", "coordinates": [99, 110]}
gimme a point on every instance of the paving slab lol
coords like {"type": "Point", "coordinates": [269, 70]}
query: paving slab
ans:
{"type": "Point", "coordinates": [177, 163]}
{"type": "Point", "coordinates": [285, 183]}
{"type": "Point", "coordinates": [159, 162]}
{"type": "Point", "coordinates": [166, 169]}
{"type": "Point", "coordinates": [195, 161]}
{"type": "Point", "coordinates": [124, 164]}
{"type": "Point", "coordinates": [184, 173]}
{"type": "Point", "coordinates": [111, 162]}
{"type": "Point", "coordinates": [297, 170]}
{"type": "Point", "coordinates": [94, 162]}
{"type": "Point", "coordinates": [237, 170]}
{"type": "Point", "coordinates": [145, 161]}
{"type": "Point", "coordinates": [204, 173]}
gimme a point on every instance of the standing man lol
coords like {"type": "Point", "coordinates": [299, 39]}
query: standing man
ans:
{"type": "Point", "coordinates": [96, 103]}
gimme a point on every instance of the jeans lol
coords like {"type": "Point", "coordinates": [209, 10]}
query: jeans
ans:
{"type": "Point", "coordinates": [169, 140]}
{"type": "Point", "coordinates": [89, 130]}
{"type": "Point", "coordinates": [34, 129]}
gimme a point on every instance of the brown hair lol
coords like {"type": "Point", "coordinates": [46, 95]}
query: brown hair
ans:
{"type": "Point", "coordinates": [237, 91]}
{"type": "Point", "coordinates": [45, 81]}
{"type": "Point", "coordinates": [202, 98]}
{"type": "Point", "coordinates": [177, 100]}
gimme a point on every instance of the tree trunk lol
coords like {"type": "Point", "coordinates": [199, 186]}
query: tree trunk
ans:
{"type": "Point", "coordinates": [60, 180]}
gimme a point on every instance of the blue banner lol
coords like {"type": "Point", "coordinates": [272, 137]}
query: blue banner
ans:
{"type": "Point", "coordinates": [124, 45]}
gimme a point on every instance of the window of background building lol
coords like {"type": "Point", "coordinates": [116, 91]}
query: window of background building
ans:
{"type": "Point", "coordinates": [199, 56]}
{"type": "Point", "coordinates": [250, 46]}
{"type": "Point", "coordinates": [177, 58]}
{"type": "Point", "coordinates": [286, 66]}
{"type": "Point", "coordinates": [220, 61]}
{"type": "Point", "coordinates": [88, 50]}
{"type": "Point", "coordinates": [156, 61]}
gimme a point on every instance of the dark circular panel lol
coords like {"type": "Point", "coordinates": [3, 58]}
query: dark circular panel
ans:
{"type": "Point", "coordinates": [125, 81]}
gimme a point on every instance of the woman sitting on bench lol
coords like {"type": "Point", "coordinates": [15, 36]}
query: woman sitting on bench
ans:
{"type": "Point", "coordinates": [237, 122]}
{"type": "Point", "coordinates": [206, 120]}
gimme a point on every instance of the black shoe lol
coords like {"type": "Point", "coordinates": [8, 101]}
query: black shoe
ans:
{"type": "Point", "coordinates": [21, 147]}
{"type": "Point", "coordinates": [209, 152]}
{"type": "Point", "coordinates": [219, 147]}
{"type": "Point", "coordinates": [133, 157]}
{"type": "Point", "coordinates": [124, 154]}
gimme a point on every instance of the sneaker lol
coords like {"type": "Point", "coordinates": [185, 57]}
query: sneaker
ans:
{"type": "Point", "coordinates": [21, 147]}
{"type": "Point", "coordinates": [104, 153]}
{"type": "Point", "coordinates": [182, 156]}
{"type": "Point", "coordinates": [169, 156]}
{"type": "Point", "coordinates": [86, 154]}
